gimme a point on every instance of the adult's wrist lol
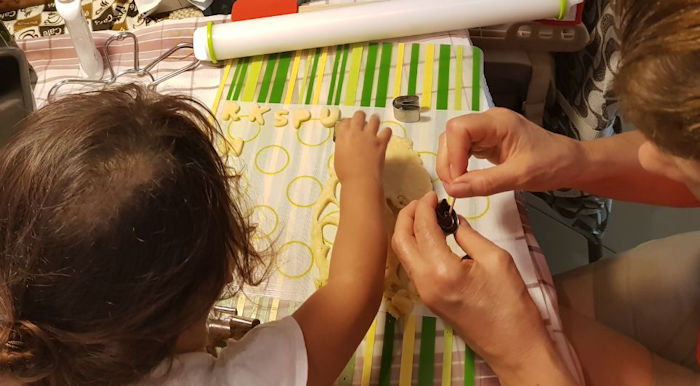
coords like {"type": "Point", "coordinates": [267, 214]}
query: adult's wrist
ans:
{"type": "Point", "coordinates": [604, 158]}
{"type": "Point", "coordinates": [571, 170]}
{"type": "Point", "coordinates": [539, 365]}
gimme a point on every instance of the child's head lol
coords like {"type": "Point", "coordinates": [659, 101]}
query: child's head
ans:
{"type": "Point", "coordinates": [658, 83]}
{"type": "Point", "coordinates": [118, 231]}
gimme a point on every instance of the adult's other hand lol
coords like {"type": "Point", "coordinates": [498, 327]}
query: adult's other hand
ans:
{"type": "Point", "coordinates": [526, 156]}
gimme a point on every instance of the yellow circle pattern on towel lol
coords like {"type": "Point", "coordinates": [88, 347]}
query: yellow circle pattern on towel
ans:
{"type": "Point", "coordinates": [258, 208]}
{"type": "Point", "coordinates": [231, 135]}
{"type": "Point", "coordinates": [280, 255]}
{"type": "Point", "coordinates": [297, 203]}
{"type": "Point", "coordinates": [483, 213]}
{"type": "Point", "coordinates": [393, 125]}
{"type": "Point", "coordinates": [268, 172]}
{"type": "Point", "coordinates": [329, 133]}
{"type": "Point", "coordinates": [331, 159]}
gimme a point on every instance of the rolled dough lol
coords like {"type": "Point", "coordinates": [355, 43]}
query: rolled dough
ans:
{"type": "Point", "coordinates": [405, 180]}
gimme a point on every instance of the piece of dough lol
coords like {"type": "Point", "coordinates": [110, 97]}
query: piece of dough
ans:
{"type": "Point", "coordinates": [329, 117]}
{"type": "Point", "coordinates": [237, 146]}
{"type": "Point", "coordinates": [299, 117]}
{"type": "Point", "coordinates": [256, 114]}
{"type": "Point", "coordinates": [281, 118]}
{"type": "Point", "coordinates": [405, 180]}
{"type": "Point", "coordinates": [230, 111]}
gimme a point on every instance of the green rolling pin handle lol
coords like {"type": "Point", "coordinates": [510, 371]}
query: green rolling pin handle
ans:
{"type": "Point", "coordinates": [563, 8]}
{"type": "Point", "coordinates": [210, 45]}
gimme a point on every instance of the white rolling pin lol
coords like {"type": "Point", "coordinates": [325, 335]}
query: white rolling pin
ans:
{"type": "Point", "coordinates": [372, 21]}
{"type": "Point", "coordinates": [90, 59]}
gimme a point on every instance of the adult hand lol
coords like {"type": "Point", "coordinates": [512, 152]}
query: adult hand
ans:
{"type": "Point", "coordinates": [526, 156]}
{"type": "Point", "coordinates": [483, 299]}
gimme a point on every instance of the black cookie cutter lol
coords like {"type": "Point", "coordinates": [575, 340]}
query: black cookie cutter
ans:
{"type": "Point", "coordinates": [447, 218]}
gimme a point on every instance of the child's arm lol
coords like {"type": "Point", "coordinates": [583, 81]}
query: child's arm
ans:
{"type": "Point", "coordinates": [336, 317]}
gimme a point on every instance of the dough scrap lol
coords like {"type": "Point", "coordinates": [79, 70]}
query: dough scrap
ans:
{"type": "Point", "coordinates": [281, 118]}
{"type": "Point", "coordinates": [329, 117]}
{"type": "Point", "coordinates": [300, 116]}
{"type": "Point", "coordinates": [256, 114]}
{"type": "Point", "coordinates": [230, 111]}
{"type": "Point", "coordinates": [405, 180]}
{"type": "Point", "coordinates": [237, 146]}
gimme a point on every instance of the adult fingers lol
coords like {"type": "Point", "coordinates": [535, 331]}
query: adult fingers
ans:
{"type": "Point", "coordinates": [443, 163]}
{"type": "Point", "coordinates": [474, 244]}
{"type": "Point", "coordinates": [440, 269]}
{"type": "Point", "coordinates": [403, 242]}
{"type": "Point", "coordinates": [467, 131]}
{"type": "Point", "coordinates": [485, 182]}
{"type": "Point", "coordinates": [429, 235]}
{"type": "Point", "coordinates": [373, 124]}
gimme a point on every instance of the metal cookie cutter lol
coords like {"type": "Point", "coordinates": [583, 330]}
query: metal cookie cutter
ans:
{"type": "Point", "coordinates": [407, 108]}
{"type": "Point", "coordinates": [225, 323]}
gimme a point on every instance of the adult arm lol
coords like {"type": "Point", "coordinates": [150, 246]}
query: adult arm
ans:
{"type": "Point", "coordinates": [527, 157]}
{"type": "Point", "coordinates": [617, 173]}
{"type": "Point", "coordinates": [484, 299]}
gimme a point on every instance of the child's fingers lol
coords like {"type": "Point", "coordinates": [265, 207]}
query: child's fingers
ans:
{"type": "Point", "coordinates": [373, 124]}
{"type": "Point", "coordinates": [358, 120]}
{"type": "Point", "coordinates": [384, 136]}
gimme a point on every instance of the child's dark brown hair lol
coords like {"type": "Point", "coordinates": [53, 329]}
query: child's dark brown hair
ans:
{"type": "Point", "coordinates": [118, 231]}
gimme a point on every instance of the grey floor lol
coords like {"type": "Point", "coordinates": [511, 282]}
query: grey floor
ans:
{"type": "Point", "coordinates": [629, 225]}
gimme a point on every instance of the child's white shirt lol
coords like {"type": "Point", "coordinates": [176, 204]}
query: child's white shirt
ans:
{"type": "Point", "coordinates": [270, 354]}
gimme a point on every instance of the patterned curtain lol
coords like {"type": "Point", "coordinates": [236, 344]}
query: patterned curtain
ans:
{"type": "Point", "coordinates": [581, 105]}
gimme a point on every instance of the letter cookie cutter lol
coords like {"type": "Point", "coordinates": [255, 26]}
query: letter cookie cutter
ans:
{"type": "Point", "coordinates": [407, 108]}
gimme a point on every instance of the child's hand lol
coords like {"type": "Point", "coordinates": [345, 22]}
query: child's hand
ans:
{"type": "Point", "coordinates": [333, 324]}
{"type": "Point", "coordinates": [359, 150]}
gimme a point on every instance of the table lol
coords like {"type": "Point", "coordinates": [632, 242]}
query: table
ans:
{"type": "Point", "coordinates": [444, 358]}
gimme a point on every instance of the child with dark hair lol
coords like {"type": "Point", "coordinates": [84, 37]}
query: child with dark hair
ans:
{"type": "Point", "coordinates": [120, 227]}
